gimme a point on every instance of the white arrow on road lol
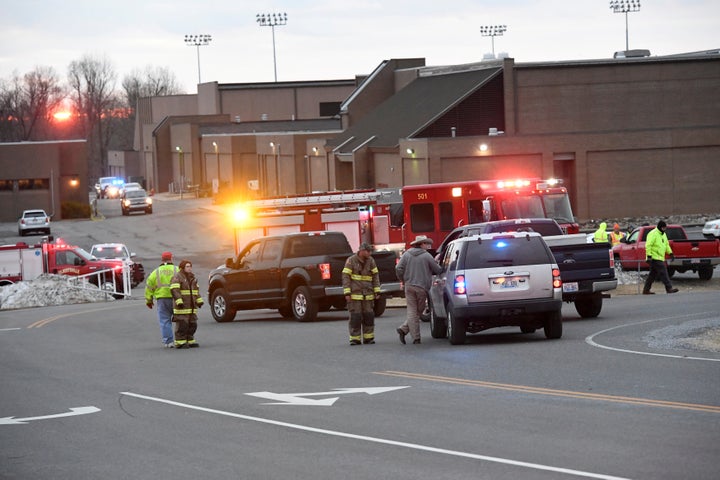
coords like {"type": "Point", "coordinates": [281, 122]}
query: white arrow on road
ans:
{"type": "Point", "coordinates": [299, 398]}
{"type": "Point", "coordinates": [71, 413]}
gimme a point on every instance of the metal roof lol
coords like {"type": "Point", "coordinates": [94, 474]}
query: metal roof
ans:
{"type": "Point", "coordinates": [411, 109]}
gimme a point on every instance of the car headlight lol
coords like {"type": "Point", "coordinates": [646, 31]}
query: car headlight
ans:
{"type": "Point", "coordinates": [148, 200]}
{"type": "Point", "coordinates": [126, 202]}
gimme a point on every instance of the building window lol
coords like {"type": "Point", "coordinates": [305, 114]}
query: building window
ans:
{"type": "Point", "coordinates": [6, 185]}
{"type": "Point", "coordinates": [33, 184]}
{"type": "Point", "coordinates": [329, 109]}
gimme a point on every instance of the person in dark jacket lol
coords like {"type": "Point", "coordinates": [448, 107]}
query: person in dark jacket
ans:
{"type": "Point", "coordinates": [415, 270]}
{"type": "Point", "coordinates": [186, 302]}
{"type": "Point", "coordinates": [361, 286]}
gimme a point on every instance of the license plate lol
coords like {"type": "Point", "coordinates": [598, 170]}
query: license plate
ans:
{"type": "Point", "coordinates": [570, 287]}
{"type": "Point", "coordinates": [509, 284]}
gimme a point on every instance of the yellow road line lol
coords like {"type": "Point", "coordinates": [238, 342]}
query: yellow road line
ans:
{"type": "Point", "coordinates": [44, 321]}
{"type": "Point", "coordinates": [557, 393]}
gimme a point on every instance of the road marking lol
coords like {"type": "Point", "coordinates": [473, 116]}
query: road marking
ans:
{"type": "Point", "coordinates": [414, 446]}
{"type": "Point", "coordinates": [557, 393]}
{"type": "Point", "coordinates": [9, 329]}
{"type": "Point", "coordinates": [73, 412]}
{"type": "Point", "coordinates": [45, 321]}
{"type": "Point", "coordinates": [590, 339]}
{"type": "Point", "coordinates": [298, 398]}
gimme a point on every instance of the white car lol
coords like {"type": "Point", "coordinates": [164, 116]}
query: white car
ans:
{"type": "Point", "coordinates": [712, 229]}
{"type": "Point", "coordinates": [34, 221]}
{"type": "Point", "coordinates": [130, 186]}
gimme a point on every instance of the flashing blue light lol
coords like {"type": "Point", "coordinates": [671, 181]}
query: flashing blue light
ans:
{"type": "Point", "coordinates": [501, 244]}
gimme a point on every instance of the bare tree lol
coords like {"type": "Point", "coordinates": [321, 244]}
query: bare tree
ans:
{"type": "Point", "coordinates": [152, 82]}
{"type": "Point", "coordinates": [27, 105]}
{"type": "Point", "coordinates": [92, 84]}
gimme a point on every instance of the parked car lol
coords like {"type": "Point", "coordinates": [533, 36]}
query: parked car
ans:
{"type": "Point", "coordinates": [494, 280]}
{"type": "Point", "coordinates": [135, 201]}
{"type": "Point", "coordinates": [34, 221]}
{"type": "Point", "coordinates": [712, 229]}
{"type": "Point", "coordinates": [119, 251]}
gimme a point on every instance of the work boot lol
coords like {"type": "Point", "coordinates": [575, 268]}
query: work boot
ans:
{"type": "Point", "coordinates": [193, 345]}
{"type": "Point", "coordinates": [402, 335]}
{"type": "Point", "coordinates": [354, 342]}
{"type": "Point", "coordinates": [648, 292]}
{"type": "Point", "coordinates": [369, 341]}
{"type": "Point", "coordinates": [417, 341]}
{"type": "Point", "coordinates": [673, 290]}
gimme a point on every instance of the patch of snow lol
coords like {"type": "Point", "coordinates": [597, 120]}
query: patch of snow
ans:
{"type": "Point", "coordinates": [48, 290]}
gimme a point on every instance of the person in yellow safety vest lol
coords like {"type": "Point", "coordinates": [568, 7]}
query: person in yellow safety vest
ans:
{"type": "Point", "coordinates": [187, 301]}
{"type": "Point", "coordinates": [601, 235]}
{"type": "Point", "coordinates": [656, 247]}
{"type": "Point", "coordinates": [361, 286]}
{"type": "Point", "coordinates": [157, 289]}
{"type": "Point", "coordinates": [616, 235]}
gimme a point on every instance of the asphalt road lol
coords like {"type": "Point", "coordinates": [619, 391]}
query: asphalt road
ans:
{"type": "Point", "coordinates": [256, 401]}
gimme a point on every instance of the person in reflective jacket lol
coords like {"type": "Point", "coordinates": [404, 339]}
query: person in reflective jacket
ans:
{"type": "Point", "coordinates": [656, 247]}
{"type": "Point", "coordinates": [361, 286]}
{"type": "Point", "coordinates": [186, 302]}
{"type": "Point", "coordinates": [157, 290]}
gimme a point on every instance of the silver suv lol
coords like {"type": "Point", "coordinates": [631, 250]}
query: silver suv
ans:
{"type": "Point", "coordinates": [135, 201]}
{"type": "Point", "coordinates": [495, 280]}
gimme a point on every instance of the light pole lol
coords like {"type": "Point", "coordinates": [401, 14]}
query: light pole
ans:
{"type": "Point", "coordinates": [198, 41]}
{"type": "Point", "coordinates": [181, 162]}
{"type": "Point", "coordinates": [625, 6]}
{"type": "Point", "coordinates": [272, 20]}
{"type": "Point", "coordinates": [493, 31]}
{"type": "Point", "coordinates": [217, 158]}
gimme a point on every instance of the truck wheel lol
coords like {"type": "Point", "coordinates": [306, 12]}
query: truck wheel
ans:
{"type": "Point", "coordinates": [220, 303]}
{"type": "Point", "coordinates": [589, 306]}
{"type": "Point", "coordinates": [455, 329]}
{"type": "Point", "coordinates": [379, 307]}
{"type": "Point", "coordinates": [438, 326]}
{"type": "Point", "coordinates": [304, 307]}
{"type": "Point", "coordinates": [553, 325]}
{"type": "Point", "coordinates": [705, 273]}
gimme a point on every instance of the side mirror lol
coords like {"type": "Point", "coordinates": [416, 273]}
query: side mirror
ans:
{"type": "Point", "coordinates": [229, 263]}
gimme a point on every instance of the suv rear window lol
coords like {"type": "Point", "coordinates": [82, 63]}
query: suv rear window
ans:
{"type": "Point", "coordinates": [505, 252]}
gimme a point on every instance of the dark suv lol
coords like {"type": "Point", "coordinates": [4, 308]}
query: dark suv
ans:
{"type": "Point", "coordinates": [494, 280]}
{"type": "Point", "coordinates": [135, 201]}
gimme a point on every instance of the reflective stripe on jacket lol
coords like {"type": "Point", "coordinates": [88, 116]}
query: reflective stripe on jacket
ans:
{"type": "Point", "coordinates": [157, 284]}
{"type": "Point", "coordinates": [185, 292]}
{"type": "Point", "coordinates": [360, 280]}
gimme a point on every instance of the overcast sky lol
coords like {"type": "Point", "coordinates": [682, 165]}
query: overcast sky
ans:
{"type": "Point", "coordinates": [335, 39]}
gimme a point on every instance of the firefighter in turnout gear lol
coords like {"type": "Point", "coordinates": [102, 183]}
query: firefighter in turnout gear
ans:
{"type": "Point", "coordinates": [361, 286]}
{"type": "Point", "coordinates": [186, 301]}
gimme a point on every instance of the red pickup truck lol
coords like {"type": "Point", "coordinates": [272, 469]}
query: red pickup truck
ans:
{"type": "Point", "coordinates": [698, 256]}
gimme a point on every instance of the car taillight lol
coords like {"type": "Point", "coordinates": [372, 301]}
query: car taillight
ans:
{"type": "Point", "coordinates": [459, 285]}
{"type": "Point", "coordinates": [612, 259]}
{"type": "Point", "coordinates": [324, 271]}
{"type": "Point", "coordinates": [557, 282]}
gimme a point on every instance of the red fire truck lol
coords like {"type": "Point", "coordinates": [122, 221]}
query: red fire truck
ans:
{"type": "Point", "coordinates": [373, 216]}
{"type": "Point", "coordinates": [436, 209]}
{"type": "Point", "coordinates": [23, 262]}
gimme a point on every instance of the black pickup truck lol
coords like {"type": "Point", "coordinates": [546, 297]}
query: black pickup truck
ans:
{"type": "Point", "coordinates": [587, 270]}
{"type": "Point", "coordinates": [298, 274]}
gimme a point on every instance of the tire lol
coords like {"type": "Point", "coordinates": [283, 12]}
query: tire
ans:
{"type": "Point", "coordinates": [455, 329]}
{"type": "Point", "coordinates": [380, 305]}
{"type": "Point", "coordinates": [438, 325]}
{"type": "Point", "coordinates": [526, 329]}
{"type": "Point", "coordinates": [705, 273]}
{"type": "Point", "coordinates": [589, 306]}
{"type": "Point", "coordinates": [220, 306]}
{"type": "Point", "coordinates": [618, 263]}
{"type": "Point", "coordinates": [304, 307]}
{"type": "Point", "coordinates": [553, 325]}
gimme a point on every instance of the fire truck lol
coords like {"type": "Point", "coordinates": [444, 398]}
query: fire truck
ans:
{"type": "Point", "coordinates": [23, 262]}
{"type": "Point", "coordinates": [373, 216]}
{"type": "Point", "coordinates": [436, 209]}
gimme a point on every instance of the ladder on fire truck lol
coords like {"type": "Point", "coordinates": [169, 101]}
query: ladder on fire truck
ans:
{"type": "Point", "coordinates": [330, 198]}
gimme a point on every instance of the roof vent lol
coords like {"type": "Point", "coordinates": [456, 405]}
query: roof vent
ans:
{"type": "Point", "coordinates": [637, 53]}
{"type": "Point", "coordinates": [237, 119]}
{"type": "Point", "coordinates": [263, 116]}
